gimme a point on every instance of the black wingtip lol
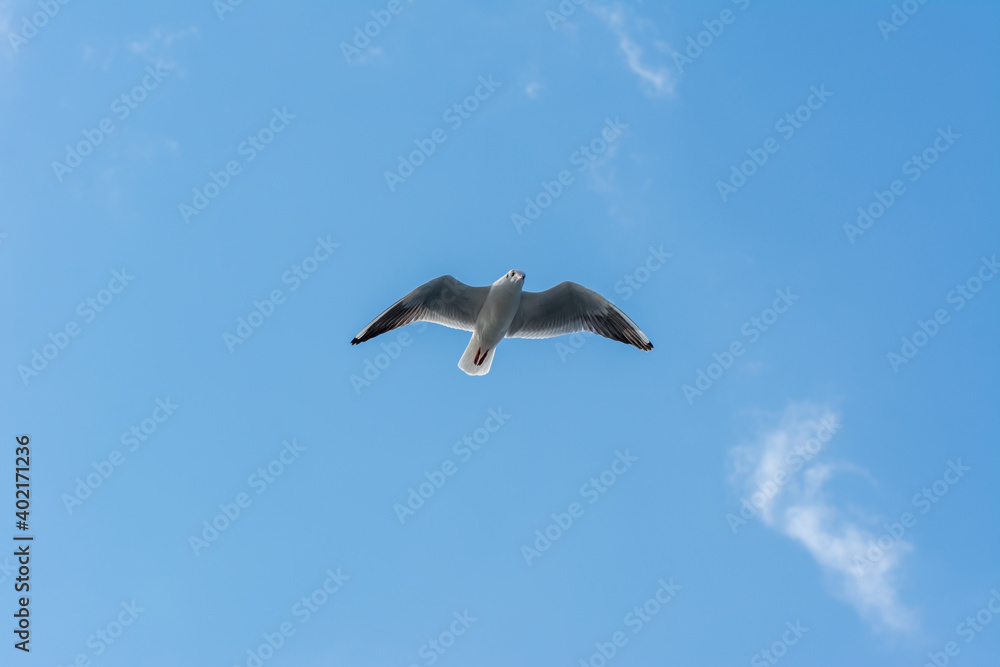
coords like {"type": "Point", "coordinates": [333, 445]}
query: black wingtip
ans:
{"type": "Point", "coordinates": [355, 341]}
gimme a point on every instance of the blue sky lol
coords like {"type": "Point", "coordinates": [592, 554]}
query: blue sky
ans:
{"type": "Point", "coordinates": [204, 203]}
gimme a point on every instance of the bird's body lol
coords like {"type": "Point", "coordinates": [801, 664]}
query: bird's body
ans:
{"type": "Point", "coordinates": [503, 310]}
{"type": "Point", "coordinates": [492, 324]}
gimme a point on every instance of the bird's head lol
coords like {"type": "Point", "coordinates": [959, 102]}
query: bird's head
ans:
{"type": "Point", "coordinates": [514, 277]}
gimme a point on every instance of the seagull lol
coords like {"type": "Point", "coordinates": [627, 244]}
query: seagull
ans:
{"type": "Point", "coordinates": [503, 310]}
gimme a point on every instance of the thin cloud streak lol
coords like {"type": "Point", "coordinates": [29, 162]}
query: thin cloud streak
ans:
{"type": "Point", "coordinates": [801, 509]}
{"type": "Point", "coordinates": [658, 81]}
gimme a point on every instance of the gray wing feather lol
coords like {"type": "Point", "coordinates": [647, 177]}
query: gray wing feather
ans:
{"type": "Point", "coordinates": [570, 308]}
{"type": "Point", "coordinates": [443, 300]}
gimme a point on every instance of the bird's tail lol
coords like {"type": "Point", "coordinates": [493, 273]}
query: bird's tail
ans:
{"type": "Point", "coordinates": [476, 359]}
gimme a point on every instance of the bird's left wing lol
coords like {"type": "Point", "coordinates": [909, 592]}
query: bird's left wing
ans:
{"type": "Point", "coordinates": [443, 300]}
{"type": "Point", "coordinates": [570, 308]}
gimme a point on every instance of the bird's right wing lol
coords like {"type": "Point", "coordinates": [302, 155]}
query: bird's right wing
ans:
{"type": "Point", "coordinates": [570, 308]}
{"type": "Point", "coordinates": [443, 300]}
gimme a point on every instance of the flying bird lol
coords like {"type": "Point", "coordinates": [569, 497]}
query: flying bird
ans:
{"type": "Point", "coordinates": [503, 310]}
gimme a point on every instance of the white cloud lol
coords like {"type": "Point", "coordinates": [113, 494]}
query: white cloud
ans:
{"type": "Point", "coordinates": [656, 80]}
{"type": "Point", "coordinates": [801, 508]}
{"type": "Point", "coordinates": [159, 38]}
{"type": "Point", "coordinates": [154, 46]}
{"type": "Point", "coordinates": [531, 90]}
{"type": "Point", "coordinates": [372, 54]}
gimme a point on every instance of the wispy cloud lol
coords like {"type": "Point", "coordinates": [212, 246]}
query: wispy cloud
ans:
{"type": "Point", "coordinates": [801, 508]}
{"type": "Point", "coordinates": [154, 46]}
{"type": "Point", "coordinates": [602, 172]}
{"type": "Point", "coordinates": [370, 55]}
{"type": "Point", "coordinates": [656, 80]}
